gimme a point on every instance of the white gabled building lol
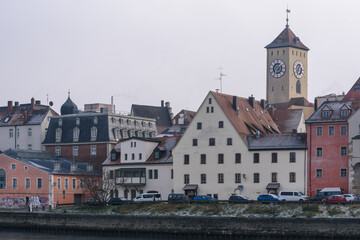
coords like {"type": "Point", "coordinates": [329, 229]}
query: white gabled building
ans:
{"type": "Point", "coordinates": [141, 165]}
{"type": "Point", "coordinates": [233, 146]}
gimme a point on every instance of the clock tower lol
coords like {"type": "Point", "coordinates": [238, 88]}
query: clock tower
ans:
{"type": "Point", "coordinates": [287, 68]}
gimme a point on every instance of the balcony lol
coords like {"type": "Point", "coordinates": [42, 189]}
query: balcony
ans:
{"type": "Point", "coordinates": [130, 176]}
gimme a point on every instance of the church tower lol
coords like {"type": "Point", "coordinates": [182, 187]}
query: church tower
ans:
{"type": "Point", "coordinates": [287, 72]}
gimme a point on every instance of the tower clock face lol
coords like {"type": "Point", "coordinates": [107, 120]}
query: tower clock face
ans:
{"type": "Point", "coordinates": [277, 68]}
{"type": "Point", "coordinates": [298, 69]}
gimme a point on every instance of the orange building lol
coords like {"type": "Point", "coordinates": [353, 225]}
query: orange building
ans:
{"type": "Point", "coordinates": [41, 178]}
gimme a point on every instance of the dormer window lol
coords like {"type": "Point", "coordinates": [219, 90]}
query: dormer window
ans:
{"type": "Point", "coordinates": [113, 156]}
{"type": "Point", "coordinates": [58, 133]}
{"type": "Point", "coordinates": [77, 121]}
{"type": "Point", "coordinates": [156, 154]}
{"type": "Point", "coordinates": [89, 167]}
{"type": "Point", "coordinates": [124, 133]}
{"type": "Point", "coordinates": [76, 133]}
{"type": "Point", "coordinates": [60, 122]}
{"type": "Point", "coordinates": [73, 167]}
{"type": "Point", "coordinates": [326, 113]}
{"type": "Point", "coordinates": [57, 166]}
{"type": "Point", "coordinates": [95, 120]}
{"type": "Point", "coordinates": [344, 113]}
{"type": "Point", "coordinates": [93, 133]}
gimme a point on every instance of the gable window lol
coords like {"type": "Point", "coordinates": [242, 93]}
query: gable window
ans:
{"type": "Point", "coordinates": [256, 157]}
{"type": "Point", "coordinates": [211, 141]}
{"type": "Point", "coordinates": [93, 150]}
{"type": "Point", "coordinates": [203, 159]}
{"type": "Point", "coordinates": [292, 157]}
{"type": "Point", "coordinates": [292, 177]}
{"type": "Point", "coordinates": [343, 172]}
{"type": "Point", "coordinates": [319, 131]}
{"type": "Point", "coordinates": [343, 151]}
{"type": "Point", "coordinates": [319, 173]}
{"type": "Point", "coordinates": [2, 179]}
{"type": "Point", "coordinates": [186, 178]}
{"type": "Point", "coordinates": [186, 159]}
{"type": "Point", "coordinates": [203, 178]}
{"type": "Point", "coordinates": [237, 157]}
{"type": "Point", "coordinates": [199, 125]}
{"type": "Point", "coordinates": [331, 130]}
{"type": "Point", "coordinates": [344, 113]}
{"type": "Point", "coordinates": [319, 152]}
{"type": "Point", "coordinates": [27, 183]}
{"type": "Point", "coordinates": [220, 158]}
{"type": "Point", "coordinates": [221, 124]}
{"type": "Point", "coordinates": [210, 100]}
{"type": "Point", "coordinates": [220, 178]}
{"type": "Point", "coordinates": [274, 157]}
{"type": "Point", "coordinates": [212, 109]}
{"type": "Point", "coordinates": [229, 141]}
{"type": "Point", "coordinates": [325, 113]}
{"type": "Point", "coordinates": [343, 130]}
{"type": "Point", "coordinates": [274, 177]}
{"type": "Point", "coordinates": [58, 151]}
{"type": "Point", "coordinates": [11, 133]}
{"type": "Point", "coordinates": [256, 177]}
{"type": "Point", "coordinates": [75, 151]}
{"type": "Point", "coordinates": [14, 183]}
{"type": "Point", "coordinates": [29, 132]}
{"type": "Point", "coordinates": [195, 142]}
{"type": "Point", "coordinates": [237, 177]}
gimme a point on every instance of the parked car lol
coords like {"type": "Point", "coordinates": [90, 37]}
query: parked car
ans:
{"type": "Point", "coordinates": [92, 202]}
{"type": "Point", "coordinates": [269, 198]}
{"type": "Point", "coordinates": [293, 196]}
{"type": "Point", "coordinates": [238, 198]}
{"type": "Point", "coordinates": [350, 197]}
{"type": "Point", "coordinates": [178, 197]}
{"type": "Point", "coordinates": [335, 199]}
{"type": "Point", "coordinates": [203, 198]}
{"type": "Point", "coordinates": [117, 201]}
{"type": "Point", "coordinates": [148, 197]}
{"type": "Point", "coordinates": [326, 192]}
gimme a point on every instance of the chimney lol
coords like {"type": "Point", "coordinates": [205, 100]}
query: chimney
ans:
{"type": "Point", "coordinates": [262, 103]}
{"type": "Point", "coordinates": [16, 104]}
{"type": "Point", "coordinates": [10, 106]}
{"type": "Point", "coordinates": [112, 104]}
{"type": "Point", "coordinates": [251, 101]}
{"type": "Point", "coordinates": [257, 134]}
{"type": "Point", "coordinates": [162, 103]}
{"type": "Point", "coordinates": [235, 103]}
{"type": "Point", "coordinates": [37, 102]}
{"type": "Point", "coordinates": [32, 103]}
{"type": "Point", "coordinates": [271, 112]}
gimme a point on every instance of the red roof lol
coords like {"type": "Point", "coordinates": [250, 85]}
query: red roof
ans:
{"type": "Point", "coordinates": [287, 39]}
{"type": "Point", "coordinates": [354, 92]}
{"type": "Point", "coordinates": [299, 101]}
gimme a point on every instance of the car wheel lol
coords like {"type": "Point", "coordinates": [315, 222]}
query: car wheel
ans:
{"type": "Point", "coordinates": [301, 200]}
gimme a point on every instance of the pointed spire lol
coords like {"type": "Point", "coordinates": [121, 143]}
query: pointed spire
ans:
{"type": "Point", "coordinates": [287, 17]}
{"type": "Point", "coordinates": [69, 93]}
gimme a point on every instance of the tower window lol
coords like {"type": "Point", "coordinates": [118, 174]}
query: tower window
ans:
{"type": "Point", "coordinates": [298, 87]}
{"type": "Point", "coordinates": [272, 88]}
{"type": "Point", "coordinates": [282, 88]}
{"type": "Point", "coordinates": [277, 52]}
{"type": "Point", "coordinates": [283, 52]}
{"type": "Point", "coordinates": [272, 53]}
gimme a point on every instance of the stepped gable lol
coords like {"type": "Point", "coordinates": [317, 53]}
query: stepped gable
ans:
{"type": "Point", "coordinates": [249, 119]}
{"type": "Point", "coordinates": [287, 39]}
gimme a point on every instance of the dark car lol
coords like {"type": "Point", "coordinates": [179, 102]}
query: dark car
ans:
{"type": "Point", "coordinates": [92, 202]}
{"type": "Point", "coordinates": [178, 197]}
{"type": "Point", "coordinates": [238, 198]}
{"type": "Point", "coordinates": [115, 201]}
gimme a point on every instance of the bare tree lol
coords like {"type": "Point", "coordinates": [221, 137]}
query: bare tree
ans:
{"type": "Point", "coordinates": [100, 189]}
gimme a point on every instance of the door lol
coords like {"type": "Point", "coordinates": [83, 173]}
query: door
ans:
{"type": "Point", "coordinates": [77, 198]}
{"type": "Point", "coordinates": [133, 194]}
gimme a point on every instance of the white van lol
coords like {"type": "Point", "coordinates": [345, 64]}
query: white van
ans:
{"type": "Point", "coordinates": [293, 196]}
{"type": "Point", "coordinates": [148, 197]}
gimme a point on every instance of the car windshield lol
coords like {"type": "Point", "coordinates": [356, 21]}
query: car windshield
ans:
{"type": "Point", "coordinates": [301, 193]}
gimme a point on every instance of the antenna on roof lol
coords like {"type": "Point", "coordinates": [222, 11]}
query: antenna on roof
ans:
{"type": "Point", "coordinates": [220, 78]}
{"type": "Point", "coordinates": [287, 16]}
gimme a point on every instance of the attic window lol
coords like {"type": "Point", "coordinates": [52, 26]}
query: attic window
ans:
{"type": "Point", "coordinates": [344, 113]}
{"type": "Point", "coordinates": [157, 154]}
{"type": "Point", "coordinates": [7, 119]}
{"type": "Point", "coordinates": [326, 113]}
{"type": "Point", "coordinates": [113, 156]}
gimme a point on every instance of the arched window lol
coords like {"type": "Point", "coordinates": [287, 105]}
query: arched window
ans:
{"type": "Point", "coordinates": [298, 87]}
{"type": "Point", "coordinates": [2, 179]}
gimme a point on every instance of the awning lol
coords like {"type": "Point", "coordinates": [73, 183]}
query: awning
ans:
{"type": "Point", "coordinates": [273, 186]}
{"type": "Point", "coordinates": [190, 187]}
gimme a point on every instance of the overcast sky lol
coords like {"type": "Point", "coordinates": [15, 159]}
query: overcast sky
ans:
{"type": "Point", "coordinates": [144, 51]}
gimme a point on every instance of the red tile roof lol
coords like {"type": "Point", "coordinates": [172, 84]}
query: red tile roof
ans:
{"type": "Point", "coordinates": [354, 92]}
{"type": "Point", "coordinates": [287, 39]}
{"type": "Point", "coordinates": [287, 119]}
{"type": "Point", "coordinates": [249, 119]}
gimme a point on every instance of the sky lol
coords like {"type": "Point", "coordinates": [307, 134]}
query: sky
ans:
{"type": "Point", "coordinates": [145, 51]}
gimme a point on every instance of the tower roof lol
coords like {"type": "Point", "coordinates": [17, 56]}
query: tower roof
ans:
{"type": "Point", "coordinates": [287, 39]}
{"type": "Point", "coordinates": [69, 107]}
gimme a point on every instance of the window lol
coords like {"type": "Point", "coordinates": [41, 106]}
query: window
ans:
{"type": "Point", "coordinates": [344, 113]}
{"type": "Point", "coordinates": [156, 174]}
{"type": "Point", "coordinates": [220, 178]}
{"type": "Point", "coordinates": [66, 183]}
{"type": "Point", "coordinates": [292, 157]}
{"type": "Point", "coordinates": [126, 156]}
{"type": "Point", "coordinates": [221, 124]}
{"type": "Point", "coordinates": [14, 183]}
{"type": "Point", "coordinates": [13, 166]}
{"type": "Point", "coordinates": [95, 120]}
{"type": "Point", "coordinates": [17, 133]}
{"type": "Point", "coordinates": [229, 141]}
{"type": "Point", "coordinates": [111, 174]}
{"type": "Point", "coordinates": [94, 133]}
{"type": "Point", "coordinates": [60, 122]}
{"type": "Point", "coordinates": [2, 179]}
{"type": "Point", "coordinates": [172, 174]}
{"type": "Point", "coordinates": [140, 156]}
{"type": "Point", "coordinates": [325, 113]}
{"type": "Point", "coordinates": [39, 183]}
{"type": "Point", "coordinates": [237, 177]}
{"type": "Point", "coordinates": [292, 177]}
{"type": "Point", "coordinates": [186, 178]}
{"type": "Point", "coordinates": [331, 130]}
{"type": "Point", "coordinates": [73, 183]}
{"type": "Point", "coordinates": [318, 131]}
{"type": "Point", "coordinates": [203, 178]}
{"type": "Point", "coordinates": [343, 172]}
{"type": "Point", "coordinates": [75, 151]}
{"type": "Point", "coordinates": [156, 154]}
{"type": "Point", "coordinates": [343, 151]}
{"type": "Point", "coordinates": [343, 130]}
{"type": "Point", "coordinates": [29, 132]}
{"type": "Point", "coordinates": [319, 152]}
{"type": "Point", "coordinates": [29, 147]}
{"type": "Point", "coordinates": [207, 109]}
{"type": "Point", "coordinates": [274, 177]}
{"type": "Point", "coordinates": [11, 133]}
{"type": "Point", "coordinates": [126, 194]}
{"type": "Point", "coordinates": [203, 159]}
{"type": "Point", "coordinates": [186, 159]}
{"type": "Point", "coordinates": [319, 173]}
{"type": "Point", "coordinates": [237, 157]}
{"type": "Point", "coordinates": [298, 87]}
{"type": "Point", "coordinates": [195, 142]}
{"type": "Point", "coordinates": [211, 141]}
{"type": "Point", "coordinates": [27, 183]}
{"type": "Point", "coordinates": [58, 183]}
{"type": "Point", "coordinates": [212, 109]}
{"type": "Point", "coordinates": [58, 151]}
{"type": "Point", "coordinates": [210, 100]}
{"type": "Point", "coordinates": [256, 177]}
{"type": "Point", "coordinates": [274, 157]}
{"type": "Point", "coordinates": [76, 133]}
{"type": "Point", "coordinates": [199, 125]}
{"type": "Point", "coordinates": [256, 158]}
{"type": "Point", "coordinates": [77, 121]}
{"type": "Point", "coordinates": [132, 156]}
{"type": "Point", "coordinates": [58, 134]}
{"type": "Point", "coordinates": [93, 150]}
{"type": "Point", "coordinates": [150, 174]}
{"type": "Point", "coordinates": [220, 158]}
{"type": "Point", "coordinates": [81, 183]}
